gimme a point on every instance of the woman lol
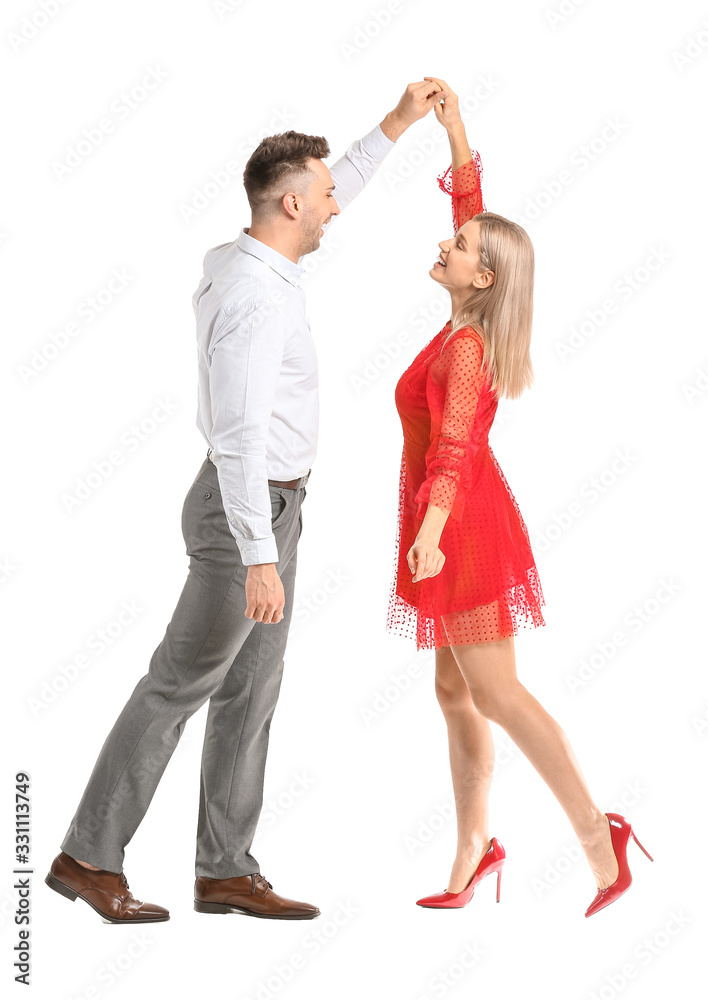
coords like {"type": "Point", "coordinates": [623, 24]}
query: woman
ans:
{"type": "Point", "coordinates": [468, 600]}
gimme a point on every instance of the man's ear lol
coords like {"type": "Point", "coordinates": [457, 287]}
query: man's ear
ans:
{"type": "Point", "coordinates": [291, 205]}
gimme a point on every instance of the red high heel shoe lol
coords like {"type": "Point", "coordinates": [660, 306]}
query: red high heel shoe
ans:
{"type": "Point", "coordinates": [492, 861]}
{"type": "Point", "coordinates": [620, 831]}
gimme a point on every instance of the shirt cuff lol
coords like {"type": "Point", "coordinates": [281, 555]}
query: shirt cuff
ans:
{"type": "Point", "coordinates": [258, 550]}
{"type": "Point", "coordinates": [377, 143]}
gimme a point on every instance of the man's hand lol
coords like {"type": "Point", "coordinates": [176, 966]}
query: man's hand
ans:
{"type": "Point", "coordinates": [265, 597]}
{"type": "Point", "coordinates": [417, 100]}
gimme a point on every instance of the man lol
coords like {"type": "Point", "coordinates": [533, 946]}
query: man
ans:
{"type": "Point", "coordinates": [241, 521]}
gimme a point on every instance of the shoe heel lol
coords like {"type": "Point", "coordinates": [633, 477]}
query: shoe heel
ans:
{"type": "Point", "coordinates": [59, 887]}
{"type": "Point", "coordinates": [634, 838]}
{"type": "Point", "coordinates": [499, 871]}
{"type": "Point", "coordinates": [202, 907]}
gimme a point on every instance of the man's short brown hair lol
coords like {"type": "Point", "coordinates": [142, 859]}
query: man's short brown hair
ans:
{"type": "Point", "coordinates": [276, 162]}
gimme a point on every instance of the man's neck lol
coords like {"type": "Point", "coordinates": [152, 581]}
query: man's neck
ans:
{"type": "Point", "coordinates": [273, 239]}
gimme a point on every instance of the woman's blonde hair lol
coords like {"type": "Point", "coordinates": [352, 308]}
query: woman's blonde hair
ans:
{"type": "Point", "coordinates": [502, 312]}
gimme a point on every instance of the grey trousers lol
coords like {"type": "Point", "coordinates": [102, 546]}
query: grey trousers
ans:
{"type": "Point", "coordinates": [210, 650]}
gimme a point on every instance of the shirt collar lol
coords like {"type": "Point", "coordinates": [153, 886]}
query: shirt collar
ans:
{"type": "Point", "coordinates": [285, 267]}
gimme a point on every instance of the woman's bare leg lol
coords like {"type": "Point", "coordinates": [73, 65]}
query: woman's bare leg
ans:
{"type": "Point", "coordinates": [489, 670]}
{"type": "Point", "coordinates": [471, 763]}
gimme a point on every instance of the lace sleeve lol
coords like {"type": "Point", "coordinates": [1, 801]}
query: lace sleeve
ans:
{"type": "Point", "coordinates": [455, 382]}
{"type": "Point", "coordinates": [464, 185]}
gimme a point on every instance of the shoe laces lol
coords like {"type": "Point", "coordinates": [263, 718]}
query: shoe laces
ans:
{"type": "Point", "coordinates": [123, 880]}
{"type": "Point", "coordinates": [262, 878]}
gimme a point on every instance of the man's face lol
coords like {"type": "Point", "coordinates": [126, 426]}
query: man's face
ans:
{"type": "Point", "coordinates": [319, 206]}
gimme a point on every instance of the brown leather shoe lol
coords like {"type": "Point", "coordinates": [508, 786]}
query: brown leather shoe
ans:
{"type": "Point", "coordinates": [247, 894]}
{"type": "Point", "coordinates": [107, 892]}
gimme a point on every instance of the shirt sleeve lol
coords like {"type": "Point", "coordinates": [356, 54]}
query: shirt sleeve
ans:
{"type": "Point", "coordinates": [464, 185]}
{"type": "Point", "coordinates": [355, 169]}
{"type": "Point", "coordinates": [454, 384]}
{"type": "Point", "coordinates": [245, 363]}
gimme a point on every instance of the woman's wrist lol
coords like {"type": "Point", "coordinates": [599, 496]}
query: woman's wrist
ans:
{"type": "Point", "coordinates": [459, 146]}
{"type": "Point", "coordinates": [432, 526]}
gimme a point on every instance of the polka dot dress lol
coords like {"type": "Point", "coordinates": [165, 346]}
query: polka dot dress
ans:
{"type": "Point", "coordinates": [489, 582]}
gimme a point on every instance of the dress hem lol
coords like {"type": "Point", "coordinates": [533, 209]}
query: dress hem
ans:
{"type": "Point", "coordinates": [520, 611]}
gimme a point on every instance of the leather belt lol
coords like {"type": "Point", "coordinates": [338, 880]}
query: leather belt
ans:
{"type": "Point", "coordinates": [291, 484]}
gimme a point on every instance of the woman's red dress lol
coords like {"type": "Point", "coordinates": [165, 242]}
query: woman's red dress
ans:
{"type": "Point", "coordinates": [489, 582]}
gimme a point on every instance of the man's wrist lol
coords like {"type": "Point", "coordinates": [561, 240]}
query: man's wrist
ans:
{"type": "Point", "coordinates": [393, 126]}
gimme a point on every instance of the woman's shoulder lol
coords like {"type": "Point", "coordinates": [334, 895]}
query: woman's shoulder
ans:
{"type": "Point", "coordinates": [471, 331]}
{"type": "Point", "coordinates": [468, 331]}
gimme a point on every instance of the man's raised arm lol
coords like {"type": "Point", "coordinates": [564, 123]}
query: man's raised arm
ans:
{"type": "Point", "coordinates": [363, 158]}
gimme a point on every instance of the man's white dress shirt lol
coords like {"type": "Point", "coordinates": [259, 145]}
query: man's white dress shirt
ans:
{"type": "Point", "coordinates": [258, 402]}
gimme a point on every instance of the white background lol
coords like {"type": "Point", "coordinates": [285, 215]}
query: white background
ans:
{"type": "Point", "coordinates": [372, 830]}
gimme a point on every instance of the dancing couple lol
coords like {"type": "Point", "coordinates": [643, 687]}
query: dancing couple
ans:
{"type": "Point", "coordinates": [464, 574]}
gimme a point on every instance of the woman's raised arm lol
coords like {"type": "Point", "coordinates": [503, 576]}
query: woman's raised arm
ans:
{"type": "Point", "coordinates": [463, 178]}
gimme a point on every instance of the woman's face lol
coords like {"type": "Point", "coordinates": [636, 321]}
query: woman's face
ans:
{"type": "Point", "coordinates": [460, 267]}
